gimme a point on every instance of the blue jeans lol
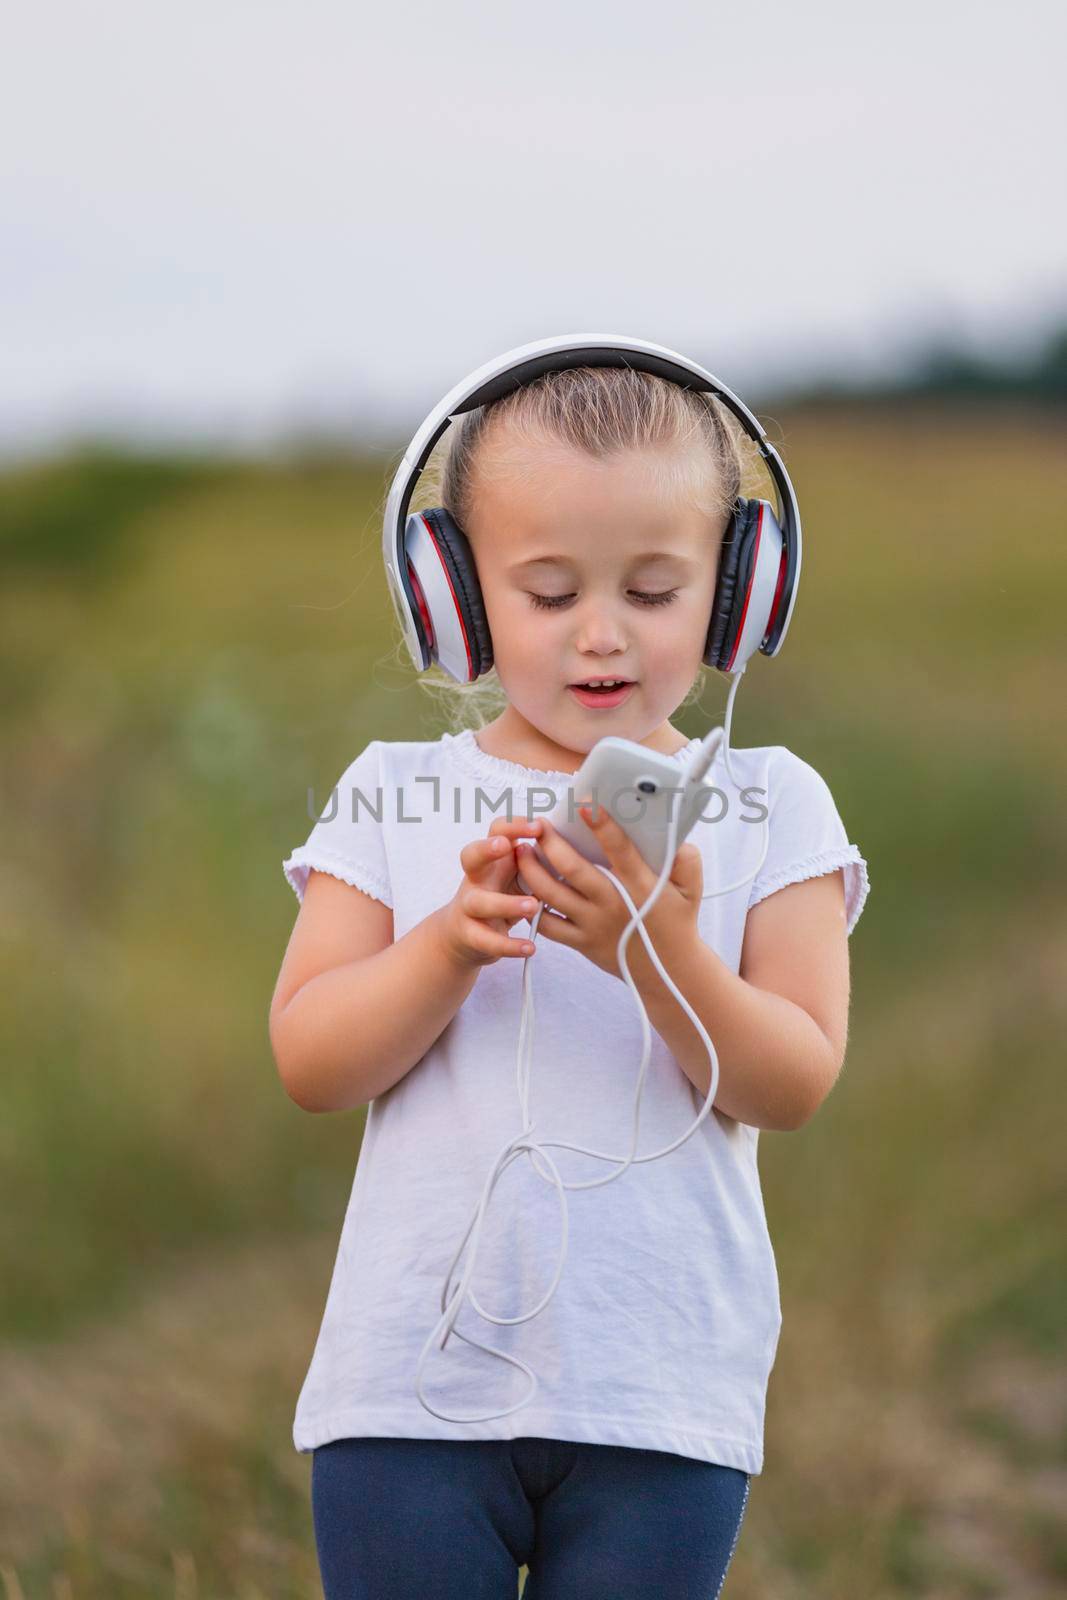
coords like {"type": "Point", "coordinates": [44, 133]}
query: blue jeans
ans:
{"type": "Point", "coordinates": [454, 1519]}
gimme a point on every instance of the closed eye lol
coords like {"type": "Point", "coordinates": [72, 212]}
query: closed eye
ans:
{"type": "Point", "coordinates": [552, 602]}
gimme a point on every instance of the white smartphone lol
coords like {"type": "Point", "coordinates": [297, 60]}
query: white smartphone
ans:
{"type": "Point", "coordinates": [641, 789]}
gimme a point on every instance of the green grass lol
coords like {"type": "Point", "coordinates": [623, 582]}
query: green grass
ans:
{"type": "Point", "coordinates": [185, 646]}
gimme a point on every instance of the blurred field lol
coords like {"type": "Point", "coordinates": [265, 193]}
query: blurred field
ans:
{"type": "Point", "coordinates": [186, 647]}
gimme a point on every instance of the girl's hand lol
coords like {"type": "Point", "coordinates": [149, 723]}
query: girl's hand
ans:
{"type": "Point", "coordinates": [475, 922]}
{"type": "Point", "coordinates": [589, 914]}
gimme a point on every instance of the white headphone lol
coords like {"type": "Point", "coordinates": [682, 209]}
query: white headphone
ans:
{"type": "Point", "coordinates": [430, 568]}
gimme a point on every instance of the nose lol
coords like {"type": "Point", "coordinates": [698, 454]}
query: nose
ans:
{"type": "Point", "coordinates": [599, 631]}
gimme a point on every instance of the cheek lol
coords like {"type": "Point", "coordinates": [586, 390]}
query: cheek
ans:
{"type": "Point", "coordinates": [513, 609]}
{"type": "Point", "coordinates": [674, 629]}
{"type": "Point", "coordinates": [501, 611]}
{"type": "Point", "coordinates": [520, 633]}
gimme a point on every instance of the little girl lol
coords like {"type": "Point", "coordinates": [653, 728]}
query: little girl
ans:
{"type": "Point", "coordinates": [592, 501]}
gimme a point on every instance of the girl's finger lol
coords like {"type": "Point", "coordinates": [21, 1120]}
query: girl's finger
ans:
{"type": "Point", "coordinates": [624, 858]}
{"type": "Point", "coordinates": [489, 943]}
{"type": "Point", "coordinates": [516, 827]}
{"type": "Point", "coordinates": [567, 860]}
{"type": "Point", "coordinates": [480, 856]}
{"type": "Point", "coordinates": [688, 866]}
{"type": "Point", "coordinates": [558, 929]}
{"type": "Point", "coordinates": [486, 903]}
{"type": "Point", "coordinates": [541, 882]}
{"type": "Point", "coordinates": [611, 836]}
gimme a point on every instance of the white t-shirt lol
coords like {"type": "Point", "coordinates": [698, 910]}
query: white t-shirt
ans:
{"type": "Point", "coordinates": [663, 1329]}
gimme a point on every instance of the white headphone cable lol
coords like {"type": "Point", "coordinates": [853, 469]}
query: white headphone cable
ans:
{"type": "Point", "coordinates": [451, 1302]}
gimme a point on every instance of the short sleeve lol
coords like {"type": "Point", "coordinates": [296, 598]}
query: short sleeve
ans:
{"type": "Point", "coordinates": [348, 840]}
{"type": "Point", "coordinates": [807, 836]}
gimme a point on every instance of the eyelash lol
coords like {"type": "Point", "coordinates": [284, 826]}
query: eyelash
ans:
{"type": "Point", "coordinates": [553, 602]}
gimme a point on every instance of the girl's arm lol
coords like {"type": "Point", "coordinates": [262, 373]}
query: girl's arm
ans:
{"type": "Point", "coordinates": [352, 1010]}
{"type": "Point", "coordinates": [780, 1027]}
{"type": "Point", "coordinates": [351, 1031]}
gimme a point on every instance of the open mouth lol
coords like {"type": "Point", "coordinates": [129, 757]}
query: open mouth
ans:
{"type": "Point", "coordinates": [601, 692]}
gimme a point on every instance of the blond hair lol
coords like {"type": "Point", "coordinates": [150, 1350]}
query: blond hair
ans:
{"type": "Point", "coordinates": [696, 448]}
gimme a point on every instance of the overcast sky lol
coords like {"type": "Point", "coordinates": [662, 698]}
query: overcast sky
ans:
{"type": "Point", "coordinates": [233, 218]}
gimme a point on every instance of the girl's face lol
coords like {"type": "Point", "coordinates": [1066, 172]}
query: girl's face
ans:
{"type": "Point", "coordinates": [588, 569]}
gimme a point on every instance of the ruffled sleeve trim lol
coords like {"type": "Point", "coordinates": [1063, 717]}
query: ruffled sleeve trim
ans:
{"type": "Point", "coordinates": [857, 883]}
{"type": "Point", "coordinates": [300, 863]}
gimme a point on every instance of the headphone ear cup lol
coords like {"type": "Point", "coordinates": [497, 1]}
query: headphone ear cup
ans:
{"type": "Point", "coordinates": [444, 573]}
{"type": "Point", "coordinates": [723, 611]}
{"type": "Point", "coordinates": [748, 592]}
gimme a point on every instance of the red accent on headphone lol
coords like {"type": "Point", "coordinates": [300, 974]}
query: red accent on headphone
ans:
{"type": "Point", "coordinates": [748, 595]}
{"type": "Point", "coordinates": [424, 612]}
{"type": "Point", "coordinates": [777, 589]}
{"type": "Point", "coordinates": [455, 602]}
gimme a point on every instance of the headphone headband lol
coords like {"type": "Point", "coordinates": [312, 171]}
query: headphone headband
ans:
{"type": "Point", "coordinates": [523, 365]}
